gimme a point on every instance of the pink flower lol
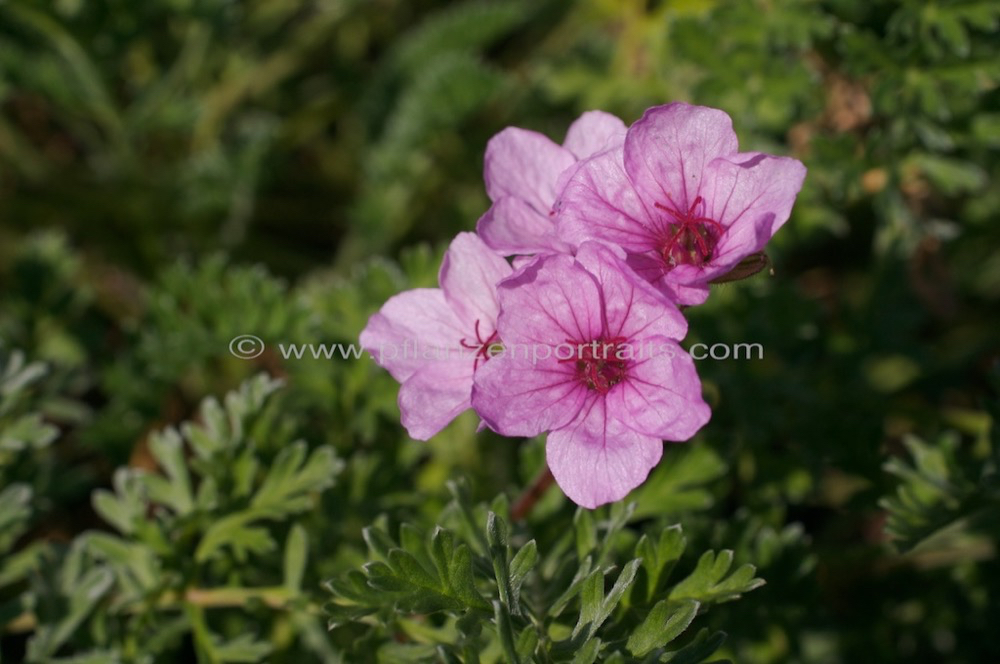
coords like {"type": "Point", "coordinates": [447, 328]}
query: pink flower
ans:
{"type": "Point", "coordinates": [522, 170]}
{"type": "Point", "coordinates": [679, 198]}
{"type": "Point", "coordinates": [591, 356]}
{"type": "Point", "coordinates": [432, 340]}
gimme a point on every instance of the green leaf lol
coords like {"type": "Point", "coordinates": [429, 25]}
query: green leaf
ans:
{"type": "Point", "coordinates": [586, 532]}
{"type": "Point", "coordinates": [496, 536]}
{"type": "Point", "coordinates": [703, 646]}
{"type": "Point", "coordinates": [379, 543]}
{"type": "Point", "coordinates": [595, 608]}
{"type": "Point", "coordinates": [296, 557]}
{"type": "Point", "coordinates": [588, 653]}
{"type": "Point", "coordinates": [174, 490]}
{"type": "Point", "coordinates": [236, 533]}
{"type": "Point", "coordinates": [708, 582]}
{"type": "Point", "coordinates": [506, 632]}
{"type": "Point", "coordinates": [520, 566]}
{"type": "Point", "coordinates": [15, 508]}
{"type": "Point", "coordinates": [580, 577]}
{"type": "Point", "coordinates": [292, 479]}
{"type": "Point", "coordinates": [82, 599]}
{"type": "Point", "coordinates": [664, 623]}
{"type": "Point", "coordinates": [403, 581]}
{"type": "Point", "coordinates": [937, 495]}
{"type": "Point", "coordinates": [591, 597]}
{"type": "Point", "coordinates": [659, 560]}
{"type": "Point", "coordinates": [244, 648]}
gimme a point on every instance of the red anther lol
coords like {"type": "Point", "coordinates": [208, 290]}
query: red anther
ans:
{"type": "Point", "coordinates": [598, 364]}
{"type": "Point", "coordinates": [481, 346]}
{"type": "Point", "coordinates": [688, 238]}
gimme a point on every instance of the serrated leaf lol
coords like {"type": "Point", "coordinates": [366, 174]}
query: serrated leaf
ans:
{"type": "Point", "coordinates": [86, 591]}
{"type": "Point", "coordinates": [595, 607]}
{"type": "Point", "coordinates": [174, 490]}
{"type": "Point", "coordinates": [664, 623]}
{"type": "Point", "coordinates": [379, 543]}
{"type": "Point", "coordinates": [236, 533]}
{"type": "Point", "coordinates": [292, 479]}
{"type": "Point", "coordinates": [659, 559]}
{"type": "Point", "coordinates": [708, 582]}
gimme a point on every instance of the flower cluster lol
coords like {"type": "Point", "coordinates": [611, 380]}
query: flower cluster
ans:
{"type": "Point", "coordinates": [608, 235]}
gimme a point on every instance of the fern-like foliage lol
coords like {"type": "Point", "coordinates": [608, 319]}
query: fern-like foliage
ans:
{"type": "Point", "coordinates": [196, 534]}
{"type": "Point", "coordinates": [598, 595]}
{"type": "Point", "coordinates": [943, 496]}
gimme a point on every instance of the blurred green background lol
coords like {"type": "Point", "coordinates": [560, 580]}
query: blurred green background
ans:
{"type": "Point", "coordinates": [174, 173]}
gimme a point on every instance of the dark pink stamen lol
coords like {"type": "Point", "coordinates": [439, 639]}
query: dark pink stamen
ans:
{"type": "Point", "coordinates": [597, 363]}
{"type": "Point", "coordinates": [481, 346]}
{"type": "Point", "coordinates": [688, 239]}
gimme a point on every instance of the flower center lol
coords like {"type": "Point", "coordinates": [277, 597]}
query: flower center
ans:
{"type": "Point", "coordinates": [483, 347]}
{"type": "Point", "coordinates": [599, 364]}
{"type": "Point", "coordinates": [687, 238]}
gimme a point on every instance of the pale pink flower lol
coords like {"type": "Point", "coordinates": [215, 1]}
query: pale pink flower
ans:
{"type": "Point", "coordinates": [680, 199]}
{"type": "Point", "coordinates": [522, 173]}
{"type": "Point", "coordinates": [624, 386]}
{"type": "Point", "coordinates": [432, 340]}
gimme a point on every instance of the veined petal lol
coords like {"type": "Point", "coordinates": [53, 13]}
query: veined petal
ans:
{"type": "Point", "coordinates": [669, 282]}
{"type": "Point", "coordinates": [661, 395]}
{"type": "Point", "coordinates": [408, 328]}
{"type": "Point", "coordinates": [600, 203]}
{"type": "Point", "coordinates": [526, 165]}
{"type": "Point", "coordinates": [434, 395]}
{"type": "Point", "coordinates": [751, 194]}
{"type": "Point", "coordinates": [512, 226]}
{"type": "Point", "coordinates": [593, 132]}
{"type": "Point", "coordinates": [549, 302]}
{"type": "Point", "coordinates": [633, 308]}
{"type": "Point", "coordinates": [469, 276]}
{"type": "Point", "coordinates": [517, 394]}
{"type": "Point", "coordinates": [596, 459]}
{"type": "Point", "coordinates": [668, 148]}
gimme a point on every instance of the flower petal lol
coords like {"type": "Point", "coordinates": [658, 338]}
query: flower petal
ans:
{"type": "Point", "coordinates": [596, 459]}
{"type": "Point", "coordinates": [512, 226]}
{"type": "Point", "coordinates": [469, 276]}
{"type": "Point", "coordinates": [650, 266]}
{"type": "Point", "coordinates": [661, 395]}
{"type": "Point", "coordinates": [549, 302]}
{"type": "Point", "coordinates": [593, 132]}
{"type": "Point", "coordinates": [409, 327]}
{"type": "Point", "coordinates": [520, 395]}
{"type": "Point", "coordinates": [600, 203]}
{"type": "Point", "coordinates": [633, 308]}
{"type": "Point", "coordinates": [435, 395]}
{"type": "Point", "coordinates": [668, 148]}
{"type": "Point", "coordinates": [751, 194]}
{"type": "Point", "coordinates": [526, 165]}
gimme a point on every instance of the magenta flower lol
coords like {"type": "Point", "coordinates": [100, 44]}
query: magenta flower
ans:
{"type": "Point", "coordinates": [591, 356]}
{"type": "Point", "coordinates": [432, 340]}
{"type": "Point", "coordinates": [679, 198]}
{"type": "Point", "coordinates": [522, 172]}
